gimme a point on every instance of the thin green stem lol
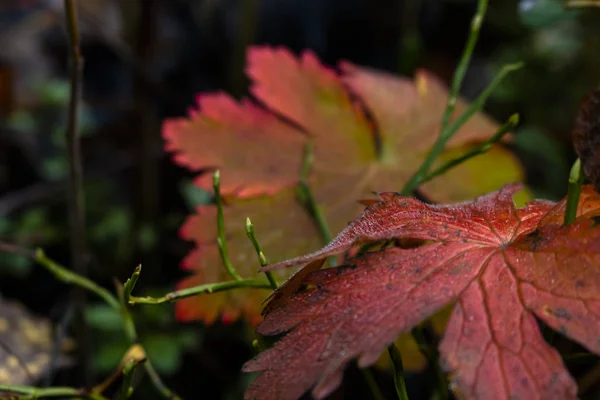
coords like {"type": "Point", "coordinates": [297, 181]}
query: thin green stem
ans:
{"type": "Point", "coordinates": [61, 392]}
{"type": "Point", "coordinates": [308, 198]}
{"type": "Point", "coordinates": [262, 259]}
{"type": "Point", "coordinates": [201, 289]}
{"type": "Point", "coordinates": [512, 122]}
{"type": "Point", "coordinates": [574, 191]}
{"type": "Point", "coordinates": [222, 240]}
{"type": "Point", "coordinates": [126, 385]}
{"type": "Point", "coordinates": [128, 323]}
{"type": "Point", "coordinates": [463, 64]}
{"type": "Point", "coordinates": [440, 143]}
{"type": "Point", "coordinates": [124, 292]}
{"type": "Point", "coordinates": [158, 383]}
{"type": "Point", "coordinates": [69, 277]}
{"type": "Point", "coordinates": [317, 214]}
{"type": "Point", "coordinates": [315, 211]}
{"type": "Point", "coordinates": [130, 284]}
{"type": "Point", "coordinates": [373, 387]}
{"type": "Point", "coordinates": [307, 162]}
{"type": "Point", "coordinates": [399, 381]}
{"type": "Point", "coordinates": [479, 102]}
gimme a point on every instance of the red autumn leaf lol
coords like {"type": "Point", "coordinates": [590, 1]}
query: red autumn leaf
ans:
{"type": "Point", "coordinates": [502, 265]}
{"type": "Point", "coordinates": [260, 148]}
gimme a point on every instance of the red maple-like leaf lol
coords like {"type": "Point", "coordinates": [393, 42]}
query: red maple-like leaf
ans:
{"type": "Point", "coordinates": [370, 131]}
{"type": "Point", "coordinates": [501, 265]}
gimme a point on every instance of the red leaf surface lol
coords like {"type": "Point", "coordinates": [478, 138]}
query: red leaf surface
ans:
{"type": "Point", "coordinates": [503, 266]}
{"type": "Point", "coordinates": [370, 131]}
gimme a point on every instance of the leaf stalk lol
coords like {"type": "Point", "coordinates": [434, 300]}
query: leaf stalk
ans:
{"type": "Point", "coordinates": [201, 289]}
{"type": "Point", "coordinates": [438, 147]}
{"type": "Point", "coordinates": [221, 239]}
{"type": "Point", "coordinates": [482, 148]}
{"type": "Point", "coordinates": [262, 259]}
{"type": "Point", "coordinates": [58, 392]}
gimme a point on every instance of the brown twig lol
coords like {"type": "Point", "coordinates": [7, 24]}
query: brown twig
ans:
{"type": "Point", "coordinates": [75, 194]}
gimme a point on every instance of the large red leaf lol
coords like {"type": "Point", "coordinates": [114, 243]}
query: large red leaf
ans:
{"type": "Point", "coordinates": [259, 149]}
{"type": "Point", "coordinates": [502, 265]}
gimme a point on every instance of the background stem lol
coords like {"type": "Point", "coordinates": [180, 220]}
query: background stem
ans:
{"type": "Point", "coordinates": [75, 201]}
{"type": "Point", "coordinates": [399, 381]}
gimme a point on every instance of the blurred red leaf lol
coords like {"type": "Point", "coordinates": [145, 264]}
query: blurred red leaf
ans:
{"type": "Point", "coordinates": [259, 150]}
{"type": "Point", "coordinates": [502, 265]}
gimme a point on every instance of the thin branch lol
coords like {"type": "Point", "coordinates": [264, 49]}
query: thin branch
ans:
{"type": "Point", "coordinates": [124, 291]}
{"type": "Point", "coordinates": [310, 202]}
{"type": "Point", "coordinates": [482, 148]}
{"type": "Point", "coordinates": [447, 130]}
{"type": "Point", "coordinates": [64, 275]}
{"type": "Point", "coordinates": [439, 145]}
{"type": "Point", "coordinates": [158, 383]}
{"type": "Point", "coordinates": [315, 211]}
{"type": "Point", "coordinates": [262, 259]}
{"type": "Point", "coordinates": [61, 273]}
{"type": "Point", "coordinates": [60, 392]}
{"type": "Point", "coordinates": [463, 64]}
{"type": "Point", "coordinates": [130, 284]}
{"type": "Point", "coordinates": [222, 239]}
{"type": "Point", "coordinates": [71, 278]}
{"type": "Point", "coordinates": [75, 201]}
{"type": "Point", "coordinates": [201, 289]}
